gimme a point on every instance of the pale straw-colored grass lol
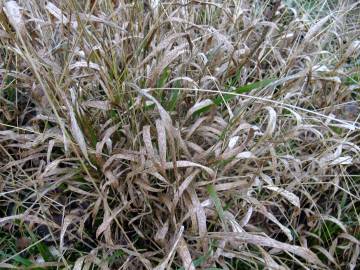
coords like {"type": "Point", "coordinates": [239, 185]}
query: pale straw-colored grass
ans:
{"type": "Point", "coordinates": [179, 134]}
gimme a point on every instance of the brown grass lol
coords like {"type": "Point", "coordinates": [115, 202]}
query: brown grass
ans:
{"type": "Point", "coordinates": [179, 134]}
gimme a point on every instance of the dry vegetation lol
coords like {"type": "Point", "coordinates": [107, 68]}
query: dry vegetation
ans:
{"type": "Point", "coordinates": [179, 134]}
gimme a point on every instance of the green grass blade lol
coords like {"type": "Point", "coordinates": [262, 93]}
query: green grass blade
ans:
{"type": "Point", "coordinates": [215, 198]}
{"type": "Point", "coordinates": [174, 96]}
{"type": "Point", "coordinates": [23, 261]}
{"type": "Point", "coordinates": [241, 90]}
{"type": "Point", "coordinates": [221, 99]}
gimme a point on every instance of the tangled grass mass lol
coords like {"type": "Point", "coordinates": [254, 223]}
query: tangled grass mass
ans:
{"type": "Point", "coordinates": [179, 134]}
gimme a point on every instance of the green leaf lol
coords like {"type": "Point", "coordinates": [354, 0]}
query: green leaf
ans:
{"type": "Point", "coordinates": [352, 80]}
{"type": "Point", "coordinates": [163, 78]}
{"type": "Point", "coordinates": [41, 247]}
{"type": "Point", "coordinates": [44, 251]}
{"type": "Point", "coordinates": [174, 96]}
{"type": "Point", "coordinates": [116, 255]}
{"type": "Point", "coordinates": [9, 91]}
{"type": "Point", "coordinates": [22, 261]}
{"type": "Point", "coordinates": [161, 82]}
{"type": "Point", "coordinates": [220, 99]}
{"type": "Point", "coordinates": [241, 90]}
{"type": "Point", "coordinates": [214, 197]}
{"type": "Point", "coordinates": [197, 262]}
{"type": "Point", "coordinates": [89, 130]}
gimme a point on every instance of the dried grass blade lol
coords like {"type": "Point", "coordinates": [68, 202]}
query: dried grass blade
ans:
{"type": "Point", "coordinates": [184, 186]}
{"type": "Point", "coordinates": [77, 133]}
{"type": "Point", "coordinates": [67, 221]}
{"type": "Point", "coordinates": [184, 254]}
{"type": "Point", "coordinates": [164, 264]}
{"type": "Point", "coordinates": [161, 137]}
{"type": "Point", "coordinates": [14, 14]}
{"type": "Point", "coordinates": [302, 252]}
{"type": "Point", "coordinates": [185, 163]}
{"type": "Point", "coordinates": [148, 144]}
{"type": "Point", "coordinates": [291, 197]}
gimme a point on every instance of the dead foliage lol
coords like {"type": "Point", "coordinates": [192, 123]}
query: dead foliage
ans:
{"type": "Point", "coordinates": [180, 134]}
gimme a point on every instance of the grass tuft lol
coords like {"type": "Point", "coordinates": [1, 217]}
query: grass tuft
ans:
{"type": "Point", "coordinates": [179, 134]}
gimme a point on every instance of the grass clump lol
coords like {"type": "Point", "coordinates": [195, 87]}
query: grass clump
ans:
{"type": "Point", "coordinates": [179, 134]}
